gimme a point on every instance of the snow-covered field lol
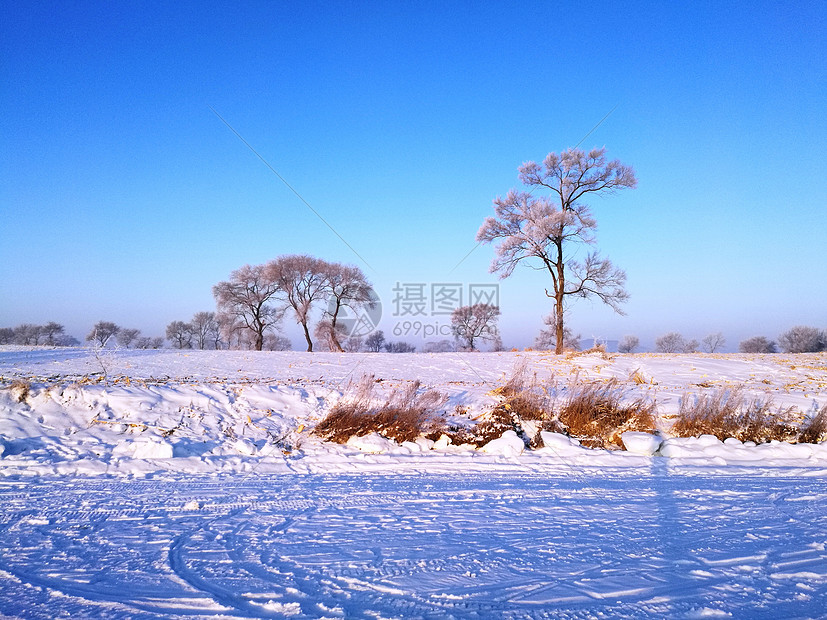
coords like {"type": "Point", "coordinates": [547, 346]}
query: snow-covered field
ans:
{"type": "Point", "coordinates": [168, 483]}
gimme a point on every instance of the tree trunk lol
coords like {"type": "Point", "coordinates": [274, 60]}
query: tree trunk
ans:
{"type": "Point", "coordinates": [334, 339]}
{"type": "Point", "coordinates": [307, 337]}
{"type": "Point", "coordinates": [559, 292]}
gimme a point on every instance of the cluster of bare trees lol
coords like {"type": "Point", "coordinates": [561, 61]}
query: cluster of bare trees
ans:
{"type": "Point", "coordinates": [104, 333]}
{"type": "Point", "coordinates": [255, 299]}
{"type": "Point", "coordinates": [52, 334]}
{"type": "Point", "coordinates": [674, 342]}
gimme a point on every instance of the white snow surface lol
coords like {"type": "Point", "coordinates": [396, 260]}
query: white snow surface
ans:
{"type": "Point", "coordinates": [188, 484]}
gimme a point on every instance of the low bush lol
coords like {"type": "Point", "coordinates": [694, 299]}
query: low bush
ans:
{"type": "Point", "coordinates": [405, 415]}
{"type": "Point", "coordinates": [595, 414]}
{"type": "Point", "coordinates": [727, 413]}
{"type": "Point", "coordinates": [814, 429]}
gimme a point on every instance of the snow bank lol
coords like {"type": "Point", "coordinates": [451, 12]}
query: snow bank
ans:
{"type": "Point", "coordinates": [236, 412]}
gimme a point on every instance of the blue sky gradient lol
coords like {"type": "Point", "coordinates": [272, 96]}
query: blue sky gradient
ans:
{"type": "Point", "coordinates": [125, 198]}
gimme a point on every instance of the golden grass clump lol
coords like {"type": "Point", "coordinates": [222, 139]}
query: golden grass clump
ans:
{"type": "Point", "coordinates": [727, 413]}
{"type": "Point", "coordinates": [405, 415]}
{"type": "Point", "coordinates": [595, 414]}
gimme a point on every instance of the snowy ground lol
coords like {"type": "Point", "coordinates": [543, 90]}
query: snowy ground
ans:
{"type": "Point", "coordinates": [164, 483]}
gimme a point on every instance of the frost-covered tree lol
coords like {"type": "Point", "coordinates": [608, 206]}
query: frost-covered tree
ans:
{"type": "Point", "coordinates": [302, 281]}
{"type": "Point", "coordinates": [544, 230]}
{"type": "Point", "coordinates": [347, 287]}
{"type": "Point", "coordinates": [691, 346]}
{"type": "Point", "coordinates": [102, 332]}
{"type": "Point", "coordinates": [28, 334]}
{"type": "Point", "coordinates": [127, 336]}
{"type": "Point", "coordinates": [475, 322]}
{"type": "Point", "coordinates": [246, 302]}
{"type": "Point", "coordinates": [802, 339]}
{"type": "Point", "coordinates": [6, 335]}
{"type": "Point", "coordinates": [714, 342]}
{"type": "Point", "coordinates": [628, 344]}
{"type": "Point", "coordinates": [757, 344]}
{"type": "Point", "coordinates": [672, 342]}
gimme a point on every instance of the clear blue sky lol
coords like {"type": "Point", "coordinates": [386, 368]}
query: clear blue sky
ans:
{"type": "Point", "coordinates": [125, 198]}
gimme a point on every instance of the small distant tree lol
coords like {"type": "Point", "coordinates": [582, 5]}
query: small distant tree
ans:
{"type": "Point", "coordinates": [276, 342]}
{"type": "Point", "coordinates": [302, 281]}
{"type": "Point", "coordinates": [127, 336]}
{"type": "Point", "coordinates": [475, 322]}
{"type": "Point", "coordinates": [375, 342]}
{"type": "Point", "coordinates": [801, 339]}
{"type": "Point", "coordinates": [691, 346]}
{"type": "Point", "coordinates": [441, 346]}
{"type": "Point", "coordinates": [326, 337]}
{"type": "Point", "coordinates": [246, 302]}
{"type": "Point", "coordinates": [547, 338]}
{"type": "Point", "coordinates": [628, 344]}
{"type": "Point", "coordinates": [179, 334]}
{"type": "Point", "coordinates": [354, 344]}
{"type": "Point", "coordinates": [399, 347]}
{"type": "Point", "coordinates": [6, 335]}
{"type": "Point", "coordinates": [204, 329]}
{"type": "Point", "coordinates": [757, 344]}
{"type": "Point", "coordinates": [672, 342]}
{"type": "Point", "coordinates": [714, 342]}
{"type": "Point", "coordinates": [102, 332]}
{"type": "Point", "coordinates": [143, 342]}
{"type": "Point", "coordinates": [543, 230]}
{"type": "Point", "coordinates": [52, 332]}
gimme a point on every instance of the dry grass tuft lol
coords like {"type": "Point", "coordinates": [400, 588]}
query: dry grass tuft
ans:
{"type": "Point", "coordinates": [814, 430]}
{"type": "Point", "coordinates": [20, 390]}
{"type": "Point", "coordinates": [404, 416]}
{"type": "Point", "coordinates": [595, 414]}
{"type": "Point", "coordinates": [727, 413]}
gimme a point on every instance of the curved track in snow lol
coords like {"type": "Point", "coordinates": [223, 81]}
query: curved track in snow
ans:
{"type": "Point", "coordinates": [622, 544]}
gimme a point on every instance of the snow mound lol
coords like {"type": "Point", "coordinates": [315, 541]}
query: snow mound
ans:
{"type": "Point", "coordinates": [373, 443]}
{"type": "Point", "coordinates": [144, 449]}
{"type": "Point", "coordinates": [509, 444]}
{"type": "Point", "coordinates": [559, 444]}
{"type": "Point", "coordinates": [640, 443]}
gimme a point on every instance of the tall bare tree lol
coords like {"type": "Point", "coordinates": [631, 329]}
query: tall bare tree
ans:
{"type": "Point", "coordinates": [542, 229]}
{"type": "Point", "coordinates": [246, 299]}
{"type": "Point", "coordinates": [302, 280]}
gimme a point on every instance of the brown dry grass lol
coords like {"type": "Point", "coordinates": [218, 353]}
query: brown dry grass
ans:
{"type": "Point", "coordinates": [814, 430]}
{"type": "Point", "coordinates": [595, 414]}
{"type": "Point", "coordinates": [727, 413]}
{"type": "Point", "coordinates": [405, 415]}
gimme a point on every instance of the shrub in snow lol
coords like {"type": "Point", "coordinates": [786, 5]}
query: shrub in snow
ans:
{"type": "Point", "coordinates": [509, 444]}
{"type": "Point", "coordinates": [726, 413]}
{"type": "Point", "coordinates": [20, 390]}
{"type": "Point", "coordinates": [404, 416]}
{"type": "Point", "coordinates": [595, 414]}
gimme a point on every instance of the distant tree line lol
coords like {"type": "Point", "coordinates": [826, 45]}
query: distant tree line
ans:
{"type": "Point", "coordinates": [52, 334]}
